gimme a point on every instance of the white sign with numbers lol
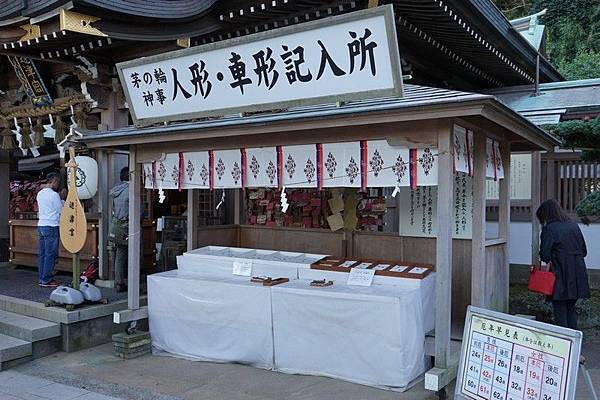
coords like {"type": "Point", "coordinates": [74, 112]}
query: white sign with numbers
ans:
{"type": "Point", "coordinates": [504, 357]}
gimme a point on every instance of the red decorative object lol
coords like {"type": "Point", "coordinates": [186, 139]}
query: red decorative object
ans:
{"type": "Point", "coordinates": [244, 167]}
{"type": "Point", "coordinates": [279, 166]}
{"type": "Point", "coordinates": [413, 168]}
{"type": "Point", "coordinates": [541, 281]}
{"type": "Point", "coordinates": [23, 197]}
{"type": "Point", "coordinates": [211, 163]}
{"type": "Point", "coordinates": [319, 166]}
{"type": "Point", "coordinates": [495, 160]}
{"type": "Point", "coordinates": [181, 171]}
{"type": "Point", "coordinates": [153, 174]}
{"type": "Point", "coordinates": [468, 141]}
{"type": "Point", "coordinates": [364, 155]}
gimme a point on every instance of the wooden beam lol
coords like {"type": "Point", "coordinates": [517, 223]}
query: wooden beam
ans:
{"type": "Point", "coordinates": [120, 317]}
{"type": "Point", "coordinates": [135, 230]}
{"type": "Point", "coordinates": [504, 218]}
{"type": "Point", "coordinates": [284, 128]}
{"type": "Point", "coordinates": [443, 263]}
{"type": "Point", "coordinates": [193, 197]}
{"type": "Point", "coordinates": [104, 214]}
{"type": "Point", "coordinates": [478, 281]}
{"type": "Point", "coordinates": [536, 175]}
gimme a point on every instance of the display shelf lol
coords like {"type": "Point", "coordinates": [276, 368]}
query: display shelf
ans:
{"type": "Point", "coordinates": [402, 269]}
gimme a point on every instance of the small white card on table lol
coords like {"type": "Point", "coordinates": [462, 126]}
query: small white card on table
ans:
{"type": "Point", "coordinates": [361, 277]}
{"type": "Point", "coordinates": [242, 268]}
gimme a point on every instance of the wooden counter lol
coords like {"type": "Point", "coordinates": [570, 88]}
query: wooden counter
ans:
{"type": "Point", "coordinates": [23, 247]}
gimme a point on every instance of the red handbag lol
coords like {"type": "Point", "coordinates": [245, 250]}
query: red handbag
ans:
{"type": "Point", "coordinates": [541, 281]}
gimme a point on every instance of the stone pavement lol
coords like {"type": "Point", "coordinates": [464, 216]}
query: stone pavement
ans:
{"type": "Point", "coordinates": [17, 386]}
{"type": "Point", "coordinates": [97, 371]}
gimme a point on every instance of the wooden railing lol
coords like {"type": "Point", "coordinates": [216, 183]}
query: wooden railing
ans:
{"type": "Point", "coordinates": [568, 179]}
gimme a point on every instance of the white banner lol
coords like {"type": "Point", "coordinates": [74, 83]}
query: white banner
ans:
{"type": "Point", "coordinates": [341, 58]}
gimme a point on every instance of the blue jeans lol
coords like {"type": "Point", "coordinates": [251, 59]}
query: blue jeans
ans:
{"type": "Point", "coordinates": [47, 252]}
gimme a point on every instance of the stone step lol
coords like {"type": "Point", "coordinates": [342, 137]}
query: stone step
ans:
{"type": "Point", "coordinates": [27, 328]}
{"type": "Point", "coordinates": [12, 348]}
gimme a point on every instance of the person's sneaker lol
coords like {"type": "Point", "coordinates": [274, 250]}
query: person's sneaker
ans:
{"type": "Point", "coordinates": [51, 284]}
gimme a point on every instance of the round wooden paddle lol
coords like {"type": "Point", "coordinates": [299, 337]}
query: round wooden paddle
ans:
{"type": "Point", "coordinates": [73, 224]}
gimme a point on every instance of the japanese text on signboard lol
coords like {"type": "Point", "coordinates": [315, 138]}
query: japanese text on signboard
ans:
{"type": "Point", "coordinates": [345, 57]}
{"type": "Point", "coordinates": [505, 361]}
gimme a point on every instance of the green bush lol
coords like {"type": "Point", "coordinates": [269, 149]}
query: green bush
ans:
{"type": "Point", "coordinates": [588, 209]}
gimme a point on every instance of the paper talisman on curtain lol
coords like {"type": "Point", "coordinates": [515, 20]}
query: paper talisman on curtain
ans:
{"type": "Point", "coordinates": [261, 167]}
{"type": "Point", "coordinates": [498, 160]}
{"type": "Point", "coordinates": [387, 166]}
{"type": "Point", "coordinates": [147, 167]}
{"type": "Point", "coordinates": [418, 209]}
{"type": "Point", "coordinates": [463, 146]}
{"type": "Point", "coordinates": [427, 167]}
{"type": "Point", "coordinates": [196, 172]}
{"type": "Point", "coordinates": [300, 166]}
{"type": "Point", "coordinates": [227, 169]}
{"type": "Point", "coordinates": [167, 171]}
{"type": "Point", "coordinates": [341, 164]}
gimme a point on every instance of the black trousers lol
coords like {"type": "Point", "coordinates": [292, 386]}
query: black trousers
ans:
{"type": "Point", "coordinates": [564, 313]}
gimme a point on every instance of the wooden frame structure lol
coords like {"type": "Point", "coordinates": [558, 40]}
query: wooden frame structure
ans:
{"type": "Point", "coordinates": [484, 282]}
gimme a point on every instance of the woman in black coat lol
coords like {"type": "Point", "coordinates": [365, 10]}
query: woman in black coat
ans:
{"type": "Point", "coordinates": [563, 246]}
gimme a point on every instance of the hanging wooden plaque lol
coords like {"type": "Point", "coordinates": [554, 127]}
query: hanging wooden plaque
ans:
{"type": "Point", "coordinates": [73, 224]}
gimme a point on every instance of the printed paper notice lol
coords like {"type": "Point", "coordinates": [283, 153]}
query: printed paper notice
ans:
{"type": "Point", "coordinates": [242, 268]}
{"type": "Point", "coordinates": [508, 360]}
{"type": "Point", "coordinates": [361, 277]}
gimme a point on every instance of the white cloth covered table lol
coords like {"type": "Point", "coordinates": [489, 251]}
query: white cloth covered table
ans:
{"type": "Point", "coordinates": [211, 319]}
{"type": "Point", "coordinates": [425, 286]}
{"type": "Point", "coordinates": [218, 261]}
{"type": "Point", "coordinates": [369, 335]}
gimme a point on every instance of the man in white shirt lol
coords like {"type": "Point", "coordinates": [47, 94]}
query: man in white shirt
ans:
{"type": "Point", "coordinates": [50, 206]}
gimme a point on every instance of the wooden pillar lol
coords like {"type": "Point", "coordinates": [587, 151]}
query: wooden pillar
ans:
{"type": "Point", "coordinates": [4, 201]}
{"type": "Point", "coordinates": [536, 175]}
{"type": "Point", "coordinates": [478, 281]}
{"type": "Point", "coordinates": [504, 219]}
{"type": "Point", "coordinates": [135, 228]}
{"type": "Point", "coordinates": [443, 260]}
{"type": "Point", "coordinates": [192, 218]}
{"type": "Point", "coordinates": [237, 206]}
{"type": "Point", "coordinates": [103, 213]}
{"type": "Point", "coordinates": [550, 178]}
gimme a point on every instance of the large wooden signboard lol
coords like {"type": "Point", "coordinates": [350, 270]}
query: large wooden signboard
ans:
{"type": "Point", "coordinates": [341, 58]}
{"type": "Point", "coordinates": [504, 357]}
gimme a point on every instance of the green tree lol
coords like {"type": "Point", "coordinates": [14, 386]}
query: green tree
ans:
{"type": "Point", "coordinates": [573, 29]}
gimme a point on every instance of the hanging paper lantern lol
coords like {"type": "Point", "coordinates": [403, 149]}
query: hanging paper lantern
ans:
{"type": "Point", "coordinates": [86, 179]}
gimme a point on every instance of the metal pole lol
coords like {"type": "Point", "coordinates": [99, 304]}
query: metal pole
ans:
{"type": "Point", "coordinates": [587, 378]}
{"type": "Point", "coordinates": [76, 270]}
{"type": "Point", "coordinates": [537, 75]}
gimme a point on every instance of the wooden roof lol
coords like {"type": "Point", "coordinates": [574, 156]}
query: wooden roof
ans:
{"type": "Point", "coordinates": [448, 43]}
{"type": "Point", "coordinates": [418, 104]}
